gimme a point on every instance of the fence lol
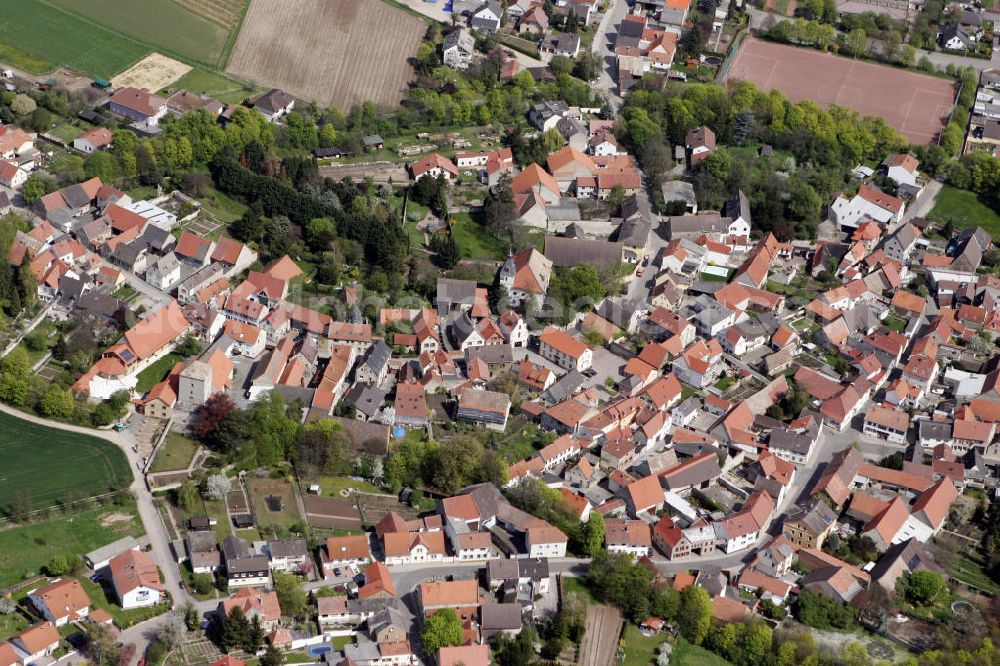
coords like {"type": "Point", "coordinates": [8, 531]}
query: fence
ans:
{"type": "Point", "coordinates": [734, 49]}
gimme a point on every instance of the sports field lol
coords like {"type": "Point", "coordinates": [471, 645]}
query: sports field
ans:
{"type": "Point", "coordinates": [917, 105]}
{"type": "Point", "coordinates": [343, 52]}
{"type": "Point", "coordinates": [51, 465]}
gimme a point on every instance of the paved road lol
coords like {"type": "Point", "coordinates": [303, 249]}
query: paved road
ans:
{"type": "Point", "coordinates": [603, 47]}
{"type": "Point", "coordinates": [149, 291]}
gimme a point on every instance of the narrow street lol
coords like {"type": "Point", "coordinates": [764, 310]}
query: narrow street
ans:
{"type": "Point", "coordinates": [603, 47]}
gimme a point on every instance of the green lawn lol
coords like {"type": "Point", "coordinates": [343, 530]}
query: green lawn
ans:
{"type": "Point", "coordinates": [175, 453]}
{"type": "Point", "coordinates": [26, 549]}
{"type": "Point", "coordinates": [156, 373]}
{"type": "Point", "coordinates": [641, 650]}
{"type": "Point", "coordinates": [573, 584]}
{"type": "Point", "coordinates": [332, 485]}
{"type": "Point", "coordinates": [894, 323]}
{"type": "Point", "coordinates": [964, 209]}
{"type": "Point", "coordinates": [204, 82]}
{"type": "Point", "coordinates": [164, 25]}
{"type": "Point", "coordinates": [126, 292]}
{"type": "Point", "coordinates": [524, 444]}
{"type": "Point", "coordinates": [222, 208]}
{"type": "Point", "coordinates": [53, 35]}
{"type": "Point", "coordinates": [711, 277]}
{"type": "Point", "coordinates": [474, 241]}
{"type": "Point", "coordinates": [66, 132]}
{"type": "Point", "coordinates": [43, 466]}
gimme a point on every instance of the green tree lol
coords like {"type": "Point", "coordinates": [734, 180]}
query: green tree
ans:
{"type": "Point", "coordinates": [291, 596]}
{"type": "Point", "coordinates": [922, 588]}
{"type": "Point", "coordinates": [441, 629]}
{"type": "Point", "coordinates": [272, 657]}
{"type": "Point", "coordinates": [236, 631]}
{"type": "Point", "coordinates": [57, 403]}
{"type": "Point", "coordinates": [37, 186]}
{"type": "Point", "coordinates": [593, 534]}
{"type": "Point", "coordinates": [695, 616]}
{"type": "Point", "coordinates": [202, 583]}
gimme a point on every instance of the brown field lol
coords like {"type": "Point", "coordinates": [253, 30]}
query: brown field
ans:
{"type": "Point", "coordinates": [153, 72]}
{"type": "Point", "coordinates": [335, 52]}
{"type": "Point", "coordinates": [328, 513]}
{"type": "Point", "coordinates": [600, 639]}
{"type": "Point", "coordinates": [917, 105]}
{"type": "Point", "coordinates": [224, 12]}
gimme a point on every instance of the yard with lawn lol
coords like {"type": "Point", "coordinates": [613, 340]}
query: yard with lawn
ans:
{"type": "Point", "coordinates": [25, 549]}
{"type": "Point", "coordinates": [156, 373]}
{"type": "Point", "coordinates": [224, 209]}
{"type": "Point", "coordinates": [523, 444]}
{"type": "Point", "coordinates": [330, 486]}
{"type": "Point", "coordinates": [475, 241]}
{"type": "Point", "coordinates": [686, 654]}
{"type": "Point", "coordinates": [175, 453]}
{"type": "Point", "coordinates": [275, 507]}
{"type": "Point", "coordinates": [102, 595]}
{"type": "Point", "coordinates": [126, 293]}
{"type": "Point", "coordinates": [66, 132]}
{"type": "Point", "coordinates": [204, 82]}
{"type": "Point", "coordinates": [641, 650]}
{"type": "Point", "coordinates": [964, 209]}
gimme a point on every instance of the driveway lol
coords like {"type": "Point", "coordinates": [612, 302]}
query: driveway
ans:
{"type": "Point", "coordinates": [603, 47]}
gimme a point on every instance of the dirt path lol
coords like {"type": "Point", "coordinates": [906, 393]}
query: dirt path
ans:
{"type": "Point", "coordinates": [600, 640]}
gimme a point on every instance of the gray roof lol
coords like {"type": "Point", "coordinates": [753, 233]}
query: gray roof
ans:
{"type": "Point", "coordinates": [365, 398]}
{"type": "Point", "coordinates": [535, 569]}
{"type": "Point", "coordinates": [461, 38]}
{"type": "Point", "coordinates": [738, 205]}
{"type": "Point", "coordinates": [372, 140]}
{"type": "Point", "coordinates": [273, 100]}
{"type": "Point", "coordinates": [678, 190]}
{"type": "Point", "coordinates": [789, 440]}
{"type": "Point", "coordinates": [462, 327]}
{"type": "Point", "coordinates": [501, 617]}
{"type": "Point", "coordinates": [491, 354]}
{"type": "Point", "coordinates": [630, 207]}
{"type": "Point", "coordinates": [567, 210]}
{"type": "Point", "coordinates": [456, 292]}
{"type": "Point", "coordinates": [934, 430]}
{"type": "Point", "coordinates": [234, 548]}
{"type": "Point", "coordinates": [502, 569]}
{"type": "Point", "coordinates": [99, 303]}
{"type": "Point", "coordinates": [76, 196]}
{"type": "Point", "coordinates": [634, 232]}
{"type": "Point", "coordinates": [377, 356]}
{"type": "Point", "coordinates": [157, 238]}
{"type": "Point", "coordinates": [202, 542]}
{"type": "Point", "coordinates": [288, 548]}
{"type": "Point", "coordinates": [818, 518]}
{"type": "Point", "coordinates": [698, 224]}
{"type": "Point", "coordinates": [114, 548]}
{"type": "Point", "coordinates": [564, 387]}
{"type": "Point", "coordinates": [129, 253]}
{"type": "Point", "coordinates": [912, 553]}
{"type": "Point", "coordinates": [387, 617]}
{"type": "Point", "coordinates": [252, 564]}
{"type": "Point", "coordinates": [573, 251]}
{"type": "Point", "coordinates": [695, 474]}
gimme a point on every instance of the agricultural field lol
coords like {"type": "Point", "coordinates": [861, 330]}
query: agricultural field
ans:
{"type": "Point", "coordinates": [162, 24]}
{"type": "Point", "coordinates": [43, 466]}
{"type": "Point", "coordinates": [27, 548]}
{"type": "Point", "coordinates": [365, 49]}
{"type": "Point", "coordinates": [226, 13]}
{"type": "Point", "coordinates": [53, 36]}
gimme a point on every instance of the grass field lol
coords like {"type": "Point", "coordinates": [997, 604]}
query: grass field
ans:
{"type": "Point", "coordinates": [25, 549]}
{"type": "Point", "coordinates": [474, 241]}
{"type": "Point", "coordinates": [156, 373]}
{"type": "Point", "coordinates": [162, 24]}
{"type": "Point", "coordinates": [175, 453]}
{"type": "Point", "coordinates": [640, 650]}
{"type": "Point", "coordinates": [57, 36]}
{"type": "Point", "coordinates": [964, 209]}
{"type": "Point", "coordinates": [50, 465]}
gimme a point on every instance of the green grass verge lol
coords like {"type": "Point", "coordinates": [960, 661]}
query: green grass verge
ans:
{"type": "Point", "coordinates": [156, 373]}
{"type": "Point", "coordinates": [26, 549]}
{"type": "Point", "coordinates": [175, 453]}
{"type": "Point", "coordinates": [66, 132]}
{"type": "Point", "coordinates": [223, 208]}
{"type": "Point", "coordinates": [56, 35]}
{"type": "Point", "coordinates": [964, 209]}
{"type": "Point", "coordinates": [166, 26]}
{"type": "Point", "coordinates": [474, 241]}
{"type": "Point", "coordinates": [43, 466]}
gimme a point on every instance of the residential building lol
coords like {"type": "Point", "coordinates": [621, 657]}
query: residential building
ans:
{"type": "Point", "coordinates": [557, 346]}
{"type": "Point", "coordinates": [135, 579]}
